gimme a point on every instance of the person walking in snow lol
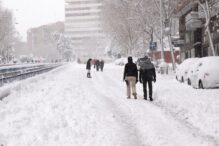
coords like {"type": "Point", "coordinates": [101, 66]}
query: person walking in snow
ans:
{"type": "Point", "coordinates": [130, 76]}
{"type": "Point", "coordinates": [147, 75]}
{"type": "Point", "coordinates": [101, 65]}
{"type": "Point", "coordinates": [88, 67]}
{"type": "Point", "coordinates": [94, 62]}
{"type": "Point", "coordinates": [97, 65]}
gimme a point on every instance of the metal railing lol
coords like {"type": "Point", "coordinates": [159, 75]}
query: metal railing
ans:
{"type": "Point", "coordinates": [24, 72]}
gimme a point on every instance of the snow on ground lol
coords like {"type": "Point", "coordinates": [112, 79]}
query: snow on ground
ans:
{"type": "Point", "coordinates": [196, 107]}
{"type": "Point", "coordinates": [63, 107]}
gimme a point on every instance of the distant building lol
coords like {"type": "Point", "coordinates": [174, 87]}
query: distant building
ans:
{"type": "Point", "coordinates": [83, 25]}
{"type": "Point", "coordinates": [193, 38]}
{"type": "Point", "coordinates": [20, 48]}
{"type": "Point", "coordinates": [40, 41]}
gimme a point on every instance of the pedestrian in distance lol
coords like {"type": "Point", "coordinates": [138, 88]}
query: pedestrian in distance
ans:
{"type": "Point", "coordinates": [94, 62]}
{"type": "Point", "coordinates": [101, 65]}
{"type": "Point", "coordinates": [88, 67]}
{"type": "Point", "coordinates": [97, 65]}
{"type": "Point", "coordinates": [130, 76]}
{"type": "Point", "coordinates": [147, 75]}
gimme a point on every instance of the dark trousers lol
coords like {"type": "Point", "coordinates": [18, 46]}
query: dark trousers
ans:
{"type": "Point", "coordinates": [145, 89]}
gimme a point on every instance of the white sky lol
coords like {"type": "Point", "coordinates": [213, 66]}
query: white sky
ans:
{"type": "Point", "coordinates": [32, 13]}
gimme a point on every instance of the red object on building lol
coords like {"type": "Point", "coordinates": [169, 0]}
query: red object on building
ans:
{"type": "Point", "coordinates": [156, 55]}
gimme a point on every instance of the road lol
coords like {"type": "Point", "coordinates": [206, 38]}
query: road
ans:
{"type": "Point", "coordinates": [64, 107]}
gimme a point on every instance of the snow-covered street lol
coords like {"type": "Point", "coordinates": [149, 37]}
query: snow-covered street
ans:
{"type": "Point", "coordinates": [63, 107]}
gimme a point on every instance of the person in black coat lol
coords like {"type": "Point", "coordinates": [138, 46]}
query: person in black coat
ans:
{"type": "Point", "coordinates": [88, 67]}
{"type": "Point", "coordinates": [97, 65]}
{"type": "Point", "coordinates": [101, 65]}
{"type": "Point", "coordinates": [130, 76]}
{"type": "Point", "coordinates": [147, 75]}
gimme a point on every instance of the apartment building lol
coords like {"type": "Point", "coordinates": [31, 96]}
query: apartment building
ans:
{"type": "Point", "coordinates": [39, 40]}
{"type": "Point", "coordinates": [192, 30]}
{"type": "Point", "coordinates": [83, 25]}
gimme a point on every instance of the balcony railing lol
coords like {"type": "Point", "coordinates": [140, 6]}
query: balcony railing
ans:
{"type": "Point", "coordinates": [192, 21]}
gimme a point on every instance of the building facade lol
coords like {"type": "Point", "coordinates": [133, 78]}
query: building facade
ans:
{"type": "Point", "coordinates": [40, 42]}
{"type": "Point", "coordinates": [192, 29]}
{"type": "Point", "coordinates": [83, 25]}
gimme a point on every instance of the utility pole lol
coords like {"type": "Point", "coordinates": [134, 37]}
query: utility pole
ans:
{"type": "Point", "coordinates": [172, 52]}
{"type": "Point", "coordinates": [161, 33]}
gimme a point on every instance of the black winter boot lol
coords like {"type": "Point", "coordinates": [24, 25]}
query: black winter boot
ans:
{"type": "Point", "coordinates": [135, 95]}
{"type": "Point", "coordinates": [89, 76]}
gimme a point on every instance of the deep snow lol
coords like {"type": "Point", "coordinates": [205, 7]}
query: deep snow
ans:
{"type": "Point", "coordinates": [63, 107]}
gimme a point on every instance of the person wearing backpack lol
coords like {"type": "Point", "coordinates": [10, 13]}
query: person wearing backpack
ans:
{"type": "Point", "coordinates": [147, 75]}
{"type": "Point", "coordinates": [130, 76]}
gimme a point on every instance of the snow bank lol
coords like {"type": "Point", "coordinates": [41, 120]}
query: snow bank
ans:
{"type": "Point", "coordinates": [196, 107]}
{"type": "Point", "coordinates": [63, 107]}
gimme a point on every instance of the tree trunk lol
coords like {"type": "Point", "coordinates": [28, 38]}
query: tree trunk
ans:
{"type": "Point", "coordinates": [172, 53]}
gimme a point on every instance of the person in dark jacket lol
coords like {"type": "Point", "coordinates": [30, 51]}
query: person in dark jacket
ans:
{"type": "Point", "coordinates": [97, 65]}
{"type": "Point", "coordinates": [94, 62]}
{"type": "Point", "coordinates": [101, 65]}
{"type": "Point", "coordinates": [147, 75]}
{"type": "Point", "coordinates": [88, 67]}
{"type": "Point", "coordinates": [131, 77]}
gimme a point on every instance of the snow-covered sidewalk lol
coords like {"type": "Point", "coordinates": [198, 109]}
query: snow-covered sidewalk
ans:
{"type": "Point", "coordinates": [63, 107]}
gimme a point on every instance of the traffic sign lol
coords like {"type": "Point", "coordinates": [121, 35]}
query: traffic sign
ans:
{"type": "Point", "coordinates": [153, 46]}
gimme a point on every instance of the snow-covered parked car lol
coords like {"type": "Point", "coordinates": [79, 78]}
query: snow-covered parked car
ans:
{"type": "Point", "coordinates": [121, 61]}
{"type": "Point", "coordinates": [205, 73]}
{"type": "Point", "coordinates": [163, 67]}
{"type": "Point", "coordinates": [182, 69]}
{"type": "Point", "coordinates": [190, 73]}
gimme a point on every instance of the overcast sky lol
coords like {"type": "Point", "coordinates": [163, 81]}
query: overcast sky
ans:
{"type": "Point", "coordinates": [32, 13]}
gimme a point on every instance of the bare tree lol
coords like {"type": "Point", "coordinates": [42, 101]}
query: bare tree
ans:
{"type": "Point", "coordinates": [7, 34]}
{"type": "Point", "coordinates": [64, 45]}
{"type": "Point", "coordinates": [120, 24]}
{"type": "Point", "coordinates": [133, 24]}
{"type": "Point", "coordinates": [166, 13]}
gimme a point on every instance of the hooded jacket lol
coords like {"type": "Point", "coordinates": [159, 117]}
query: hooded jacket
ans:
{"type": "Point", "coordinates": [130, 69]}
{"type": "Point", "coordinates": [145, 63]}
{"type": "Point", "coordinates": [147, 69]}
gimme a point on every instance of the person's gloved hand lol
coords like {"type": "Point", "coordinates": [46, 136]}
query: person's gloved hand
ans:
{"type": "Point", "coordinates": [154, 80]}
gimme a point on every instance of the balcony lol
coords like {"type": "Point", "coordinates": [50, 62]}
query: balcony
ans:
{"type": "Point", "coordinates": [192, 21]}
{"type": "Point", "coordinates": [177, 41]}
